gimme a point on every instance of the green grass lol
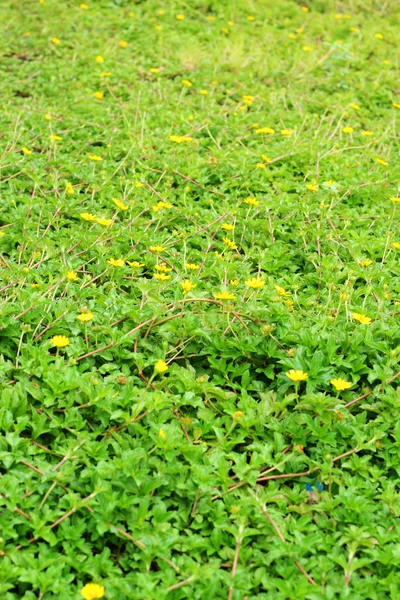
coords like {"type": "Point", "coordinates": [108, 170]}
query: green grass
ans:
{"type": "Point", "coordinates": [219, 478]}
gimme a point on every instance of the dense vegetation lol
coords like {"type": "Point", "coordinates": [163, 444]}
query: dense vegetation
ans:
{"type": "Point", "coordinates": [199, 259]}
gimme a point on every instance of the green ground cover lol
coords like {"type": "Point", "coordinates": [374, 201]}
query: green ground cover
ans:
{"type": "Point", "coordinates": [199, 262]}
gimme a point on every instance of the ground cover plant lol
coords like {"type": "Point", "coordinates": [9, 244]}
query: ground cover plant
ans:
{"type": "Point", "coordinates": [199, 260]}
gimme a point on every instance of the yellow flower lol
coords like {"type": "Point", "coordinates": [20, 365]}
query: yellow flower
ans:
{"type": "Point", "coordinates": [340, 384]}
{"type": "Point", "coordinates": [292, 36]}
{"type": "Point", "coordinates": [312, 187]}
{"type": "Point", "coordinates": [396, 245]}
{"type": "Point", "coordinates": [55, 138]}
{"type": "Point", "coordinates": [382, 162]}
{"type": "Point", "coordinates": [255, 283]}
{"type": "Point", "coordinates": [160, 205]}
{"type": "Point", "coordinates": [87, 217]}
{"type": "Point", "coordinates": [99, 59]}
{"type": "Point", "coordinates": [234, 282]}
{"type": "Point", "coordinates": [69, 188]}
{"type": "Point", "coordinates": [224, 296]}
{"type": "Point", "coordinates": [163, 268]}
{"type": "Point", "coordinates": [85, 317]}
{"type": "Point", "coordinates": [260, 166]}
{"type": "Point", "coordinates": [365, 263]}
{"type": "Point", "coordinates": [180, 17]}
{"type": "Point", "coordinates": [116, 262]}
{"type": "Point", "coordinates": [287, 132]}
{"type": "Point", "coordinates": [305, 9]}
{"type": "Point", "coordinates": [297, 375]}
{"type": "Point", "coordinates": [162, 433]}
{"type": "Point", "coordinates": [161, 276]}
{"type": "Point", "coordinates": [123, 44]}
{"type": "Point", "coordinates": [3, 234]}
{"type": "Point", "coordinates": [203, 92]}
{"type": "Point", "coordinates": [138, 184]}
{"type": "Point", "coordinates": [192, 266]}
{"type": "Point", "coordinates": [281, 291]}
{"type": "Point", "coordinates": [134, 263]}
{"type": "Point", "coordinates": [231, 245]}
{"type": "Point", "coordinates": [95, 157]}
{"type": "Point", "coordinates": [154, 70]}
{"type": "Point", "coordinates": [26, 150]}
{"type": "Point", "coordinates": [104, 222]}
{"type": "Point", "coordinates": [307, 48]}
{"type": "Point", "coordinates": [72, 276]}
{"type": "Point", "coordinates": [395, 199]}
{"type": "Point", "coordinates": [60, 341]}
{"type": "Point", "coordinates": [56, 40]}
{"type": "Point", "coordinates": [84, 6]}
{"type": "Point", "coordinates": [99, 95]}
{"type": "Point", "coordinates": [251, 201]}
{"type": "Point", "coordinates": [355, 106]}
{"type": "Point", "coordinates": [92, 591]}
{"type": "Point", "coordinates": [228, 227]}
{"type": "Point", "coordinates": [396, 105]}
{"type": "Point", "coordinates": [187, 286]}
{"type": "Point", "coordinates": [265, 130]}
{"type": "Point", "coordinates": [353, 29]}
{"type": "Point", "coordinates": [348, 129]}
{"type": "Point", "coordinates": [237, 415]}
{"type": "Point", "coordinates": [180, 138]}
{"type": "Point", "coordinates": [160, 366]}
{"type": "Point", "coordinates": [187, 83]}
{"type": "Point", "coordinates": [48, 117]}
{"type": "Point", "coordinates": [367, 133]}
{"type": "Point", "coordinates": [120, 204]}
{"type": "Point", "coordinates": [250, 18]}
{"type": "Point", "coordinates": [378, 36]}
{"type": "Point", "coordinates": [361, 318]}
{"type": "Point", "coordinates": [157, 249]}
{"type": "Point", "coordinates": [105, 74]}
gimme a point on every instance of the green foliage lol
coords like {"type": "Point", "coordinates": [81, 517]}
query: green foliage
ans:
{"type": "Point", "coordinates": [162, 451]}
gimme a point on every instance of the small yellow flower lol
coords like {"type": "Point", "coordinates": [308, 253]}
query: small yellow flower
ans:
{"type": "Point", "coordinates": [120, 204]}
{"type": "Point", "coordinates": [56, 40]}
{"type": "Point", "coordinates": [224, 296]}
{"type": "Point", "coordinates": [104, 222]}
{"type": "Point", "coordinates": [297, 375]}
{"type": "Point", "coordinates": [163, 268]}
{"type": "Point", "coordinates": [231, 245]}
{"type": "Point", "coordinates": [395, 199]}
{"type": "Point", "coordinates": [187, 83]}
{"type": "Point", "coordinates": [251, 201]}
{"type": "Point", "coordinates": [228, 227]}
{"type": "Point", "coordinates": [154, 70]}
{"type": "Point", "coordinates": [234, 282]}
{"type": "Point", "coordinates": [365, 263]}
{"type": "Point", "coordinates": [135, 263]}
{"type": "Point", "coordinates": [367, 133]}
{"type": "Point", "coordinates": [237, 415]}
{"type": "Point", "coordinates": [123, 44]}
{"type": "Point", "coordinates": [48, 117]}
{"type": "Point", "coordinates": [396, 245]}
{"type": "Point", "coordinates": [116, 262]}
{"type": "Point", "coordinates": [160, 366]}
{"type": "Point", "coordinates": [105, 74]}
{"type": "Point", "coordinates": [72, 276]}
{"type": "Point", "coordinates": [192, 266]}
{"type": "Point", "coordinates": [378, 36]}
{"type": "Point", "coordinates": [292, 36]}
{"type": "Point", "coordinates": [340, 384]}
{"type": "Point", "coordinates": [160, 205]}
{"type": "Point", "coordinates": [203, 92]}
{"type": "Point", "coordinates": [353, 29]}
{"type": "Point", "coordinates": [307, 48]}
{"type": "Point", "coordinates": [396, 105]}
{"type": "Point", "coordinates": [382, 162]}
{"type": "Point", "coordinates": [312, 187]}
{"type": "Point", "coordinates": [286, 132]}
{"type": "Point", "coordinates": [180, 17]}
{"type": "Point", "coordinates": [281, 291]}
{"type": "Point", "coordinates": [157, 249]}
{"type": "Point", "coordinates": [179, 139]}
{"type": "Point", "coordinates": [305, 9]}
{"type": "Point", "coordinates": [251, 18]}
{"type": "Point", "coordinates": [361, 318]}
{"type": "Point", "coordinates": [138, 184]}
{"type": "Point", "coordinates": [26, 150]}
{"type": "Point", "coordinates": [187, 286]}
{"type": "Point", "coordinates": [265, 130]}
{"type": "Point", "coordinates": [60, 341]}
{"type": "Point", "coordinates": [84, 6]}
{"type": "Point", "coordinates": [95, 157]}
{"type": "Point", "coordinates": [162, 433]}
{"type": "Point", "coordinates": [348, 129]}
{"type": "Point", "coordinates": [260, 166]}
{"type": "Point", "coordinates": [161, 276]}
{"type": "Point", "coordinates": [2, 234]}
{"type": "Point", "coordinates": [99, 59]}
{"type": "Point", "coordinates": [92, 591]}
{"type": "Point", "coordinates": [255, 283]}
{"type": "Point", "coordinates": [355, 106]}
{"type": "Point", "coordinates": [99, 95]}
{"type": "Point", "coordinates": [87, 217]}
{"type": "Point", "coordinates": [85, 317]}
{"type": "Point", "coordinates": [55, 138]}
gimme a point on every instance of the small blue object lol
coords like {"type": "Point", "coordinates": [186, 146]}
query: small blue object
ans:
{"type": "Point", "coordinates": [318, 486]}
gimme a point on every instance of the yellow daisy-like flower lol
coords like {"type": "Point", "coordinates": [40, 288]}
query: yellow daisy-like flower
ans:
{"type": "Point", "coordinates": [116, 262]}
{"type": "Point", "coordinates": [296, 375]}
{"type": "Point", "coordinates": [228, 227]}
{"type": "Point", "coordinates": [186, 82]}
{"type": "Point", "coordinates": [340, 384]}
{"type": "Point", "coordinates": [56, 40]}
{"type": "Point", "coordinates": [281, 291]}
{"type": "Point", "coordinates": [364, 320]}
{"type": "Point", "coordinates": [104, 222]}
{"type": "Point", "coordinates": [160, 205]}
{"type": "Point", "coordinates": [192, 266]}
{"type": "Point", "coordinates": [179, 139]}
{"type": "Point", "coordinates": [286, 132]}
{"type": "Point", "coordinates": [83, 6]}
{"type": "Point", "coordinates": [395, 199]}
{"type": "Point", "coordinates": [231, 245]}
{"type": "Point", "coordinates": [163, 268]}
{"type": "Point", "coordinates": [95, 157]}
{"type": "Point", "coordinates": [99, 95]}
{"type": "Point", "coordinates": [72, 276]}
{"type": "Point", "coordinates": [87, 217]}
{"type": "Point", "coordinates": [123, 44]}
{"type": "Point", "coordinates": [348, 129]}
{"type": "Point", "coordinates": [265, 130]}
{"type": "Point", "coordinates": [92, 591]}
{"type": "Point", "coordinates": [120, 204]}
{"type": "Point", "coordinates": [161, 276]}
{"type": "Point", "coordinates": [26, 150]}
{"type": "Point", "coordinates": [396, 105]}
{"type": "Point", "coordinates": [307, 48]}
{"type": "Point", "coordinates": [85, 317]}
{"type": "Point", "coordinates": [367, 133]}
{"type": "Point", "coordinates": [187, 286]}
{"type": "Point", "coordinates": [380, 161]}
{"type": "Point", "coordinates": [60, 341]}
{"type": "Point", "coordinates": [154, 70]}
{"type": "Point", "coordinates": [135, 264]}
{"type": "Point", "coordinates": [365, 263]}
{"type": "Point", "coordinates": [161, 366]}
{"type": "Point", "coordinates": [180, 17]}
{"type": "Point", "coordinates": [162, 433]}
{"type": "Point", "coordinates": [157, 249]}
{"type": "Point", "coordinates": [378, 36]}
{"type": "Point", "coordinates": [55, 138]}
{"type": "Point", "coordinates": [99, 59]}
{"type": "Point", "coordinates": [355, 106]}
{"type": "Point", "coordinates": [105, 74]}
{"type": "Point", "coordinates": [396, 245]}
{"type": "Point", "coordinates": [255, 283]}
{"type": "Point", "coordinates": [69, 188]}
{"type": "Point", "coordinates": [48, 117]}
{"type": "Point", "coordinates": [251, 201]}
{"type": "Point", "coordinates": [312, 187]}
{"type": "Point", "coordinates": [224, 296]}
